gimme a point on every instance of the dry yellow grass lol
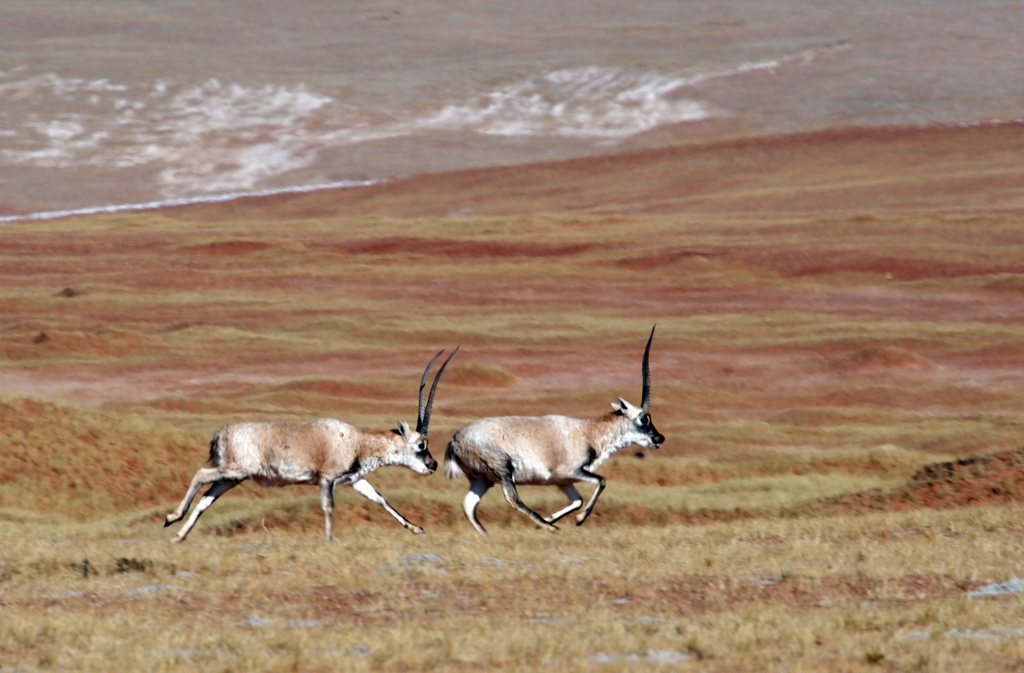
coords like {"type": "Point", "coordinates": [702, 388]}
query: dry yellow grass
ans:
{"type": "Point", "coordinates": [769, 594]}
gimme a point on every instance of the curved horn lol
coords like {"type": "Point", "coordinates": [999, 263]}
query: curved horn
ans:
{"type": "Point", "coordinates": [423, 424]}
{"type": "Point", "coordinates": [423, 385]}
{"type": "Point", "coordinates": [645, 398]}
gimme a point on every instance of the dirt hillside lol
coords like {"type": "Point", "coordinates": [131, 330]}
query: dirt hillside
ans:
{"type": "Point", "coordinates": [866, 170]}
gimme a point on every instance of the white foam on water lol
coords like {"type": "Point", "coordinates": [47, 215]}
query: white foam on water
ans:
{"type": "Point", "coordinates": [591, 102]}
{"type": "Point", "coordinates": [205, 139]}
{"type": "Point", "coordinates": [227, 140]}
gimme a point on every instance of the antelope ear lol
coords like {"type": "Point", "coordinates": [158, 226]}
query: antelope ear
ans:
{"type": "Point", "coordinates": [404, 429]}
{"type": "Point", "coordinates": [627, 409]}
{"type": "Point", "coordinates": [616, 408]}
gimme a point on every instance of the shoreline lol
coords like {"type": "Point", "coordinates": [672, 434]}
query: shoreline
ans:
{"type": "Point", "coordinates": [841, 135]}
{"type": "Point", "coordinates": [186, 201]}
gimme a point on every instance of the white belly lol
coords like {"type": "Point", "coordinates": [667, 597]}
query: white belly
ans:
{"type": "Point", "coordinates": [530, 470]}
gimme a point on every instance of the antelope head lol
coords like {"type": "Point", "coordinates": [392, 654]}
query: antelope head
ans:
{"type": "Point", "coordinates": [641, 430]}
{"type": "Point", "coordinates": [414, 454]}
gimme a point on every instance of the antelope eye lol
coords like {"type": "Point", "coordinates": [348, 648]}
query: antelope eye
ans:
{"type": "Point", "coordinates": [421, 445]}
{"type": "Point", "coordinates": [645, 420]}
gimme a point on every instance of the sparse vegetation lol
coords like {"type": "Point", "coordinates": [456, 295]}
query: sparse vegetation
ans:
{"type": "Point", "coordinates": [810, 361]}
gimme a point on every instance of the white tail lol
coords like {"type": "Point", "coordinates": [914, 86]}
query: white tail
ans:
{"type": "Point", "coordinates": [324, 451]}
{"type": "Point", "coordinates": [452, 470]}
{"type": "Point", "coordinates": [547, 450]}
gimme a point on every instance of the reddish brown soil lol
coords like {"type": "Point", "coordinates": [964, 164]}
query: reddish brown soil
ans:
{"type": "Point", "coordinates": [837, 170]}
{"type": "Point", "coordinates": [231, 247]}
{"type": "Point", "coordinates": [996, 479]}
{"type": "Point", "coordinates": [453, 249]}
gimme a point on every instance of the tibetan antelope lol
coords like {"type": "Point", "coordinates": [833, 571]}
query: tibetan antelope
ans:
{"type": "Point", "coordinates": [547, 450]}
{"type": "Point", "coordinates": [322, 451]}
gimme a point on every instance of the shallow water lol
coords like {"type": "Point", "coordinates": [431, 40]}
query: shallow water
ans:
{"type": "Point", "coordinates": [111, 102]}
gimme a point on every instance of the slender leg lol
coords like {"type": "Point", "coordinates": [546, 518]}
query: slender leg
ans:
{"type": "Point", "coordinates": [363, 488]}
{"type": "Point", "coordinates": [508, 488]}
{"type": "Point", "coordinates": [327, 504]}
{"type": "Point", "coordinates": [206, 475]}
{"type": "Point", "coordinates": [477, 488]}
{"type": "Point", "coordinates": [218, 489]}
{"type": "Point", "coordinates": [598, 481]}
{"type": "Point", "coordinates": [575, 502]}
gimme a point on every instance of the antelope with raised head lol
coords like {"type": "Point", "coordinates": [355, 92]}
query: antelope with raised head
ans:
{"type": "Point", "coordinates": [547, 450]}
{"type": "Point", "coordinates": [323, 451]}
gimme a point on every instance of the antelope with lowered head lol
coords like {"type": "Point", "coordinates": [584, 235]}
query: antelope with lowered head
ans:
{"type": "Point", "coordinates": [322, 451]}
{"type": "Point", "coordinates": [547, 450]}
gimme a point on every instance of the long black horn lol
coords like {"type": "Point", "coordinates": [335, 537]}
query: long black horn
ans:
{"type": "Point", "coordinates": [645, 399]}
{"type": "Point", "coordinates": [423, 385]}
{"type": "Point", "coordinates": [424, 422]}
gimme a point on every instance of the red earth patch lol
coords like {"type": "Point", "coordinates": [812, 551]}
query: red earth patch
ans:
{"type": "Point", "coordinates": [997, 479]}
{"type": "Point", "coordinates": [232, 247]}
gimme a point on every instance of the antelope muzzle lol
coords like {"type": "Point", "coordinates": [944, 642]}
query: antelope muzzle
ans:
{"type": "Point", "coordinates": [430, 463]}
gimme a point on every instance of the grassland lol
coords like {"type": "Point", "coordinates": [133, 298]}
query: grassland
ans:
{"type": "Point", "coordinates": [829, 343]}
